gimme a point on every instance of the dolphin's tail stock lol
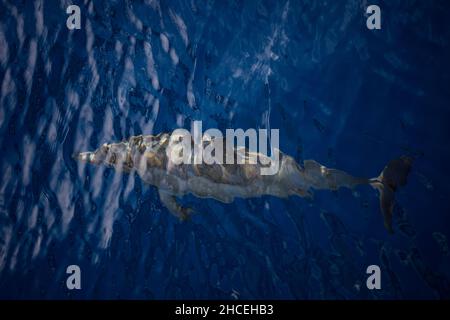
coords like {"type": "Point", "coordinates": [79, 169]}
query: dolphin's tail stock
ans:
{"type": "Point", "coordinates": [394, 175]}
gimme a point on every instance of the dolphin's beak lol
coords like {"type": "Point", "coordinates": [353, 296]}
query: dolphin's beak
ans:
{"type": "Point", "coordinates": [84, 156]}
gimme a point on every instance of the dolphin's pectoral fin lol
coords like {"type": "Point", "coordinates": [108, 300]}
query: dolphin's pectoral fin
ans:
{"type": "Point", "coordinates": [170, 201]}
{"type": "Point", "coordinates": [308, 194]}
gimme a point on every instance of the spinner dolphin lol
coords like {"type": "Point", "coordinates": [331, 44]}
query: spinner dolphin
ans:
{"type": "Point", "coordinates": [147, 156]}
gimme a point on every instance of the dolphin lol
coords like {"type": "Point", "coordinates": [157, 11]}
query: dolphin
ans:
{"type": "Point", "coordinates": [147, 156]}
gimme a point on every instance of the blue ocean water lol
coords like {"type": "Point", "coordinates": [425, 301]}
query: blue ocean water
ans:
{"type": "Point", "coordinates": [343, 95]}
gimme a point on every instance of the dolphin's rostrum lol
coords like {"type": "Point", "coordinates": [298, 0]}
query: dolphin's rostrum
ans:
{"type": "Point", "coordinates": [147, 156]}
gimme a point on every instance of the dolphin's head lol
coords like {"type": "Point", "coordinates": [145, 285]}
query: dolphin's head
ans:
{"type": "Point", "coordinates": [125, 155]}
{"type": "Point", "coordinates": [116, 155]}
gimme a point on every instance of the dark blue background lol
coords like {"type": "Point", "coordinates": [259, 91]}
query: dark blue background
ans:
{"type": "Point", "coordinates": [341, 94]}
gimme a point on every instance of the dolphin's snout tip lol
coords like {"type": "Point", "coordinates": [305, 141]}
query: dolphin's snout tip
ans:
{"type": "Point", "coordinates": [79, 156]}
{"type": "Point", "coordinates": [83, 156]}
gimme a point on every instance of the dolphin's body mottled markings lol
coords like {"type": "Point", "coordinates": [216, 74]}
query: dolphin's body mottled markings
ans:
{"type": "Point", "coordinates": [148, 157]}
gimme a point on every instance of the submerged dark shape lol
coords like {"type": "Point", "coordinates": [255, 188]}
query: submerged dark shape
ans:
{"type": "Point", "coordinates": [147, 156]}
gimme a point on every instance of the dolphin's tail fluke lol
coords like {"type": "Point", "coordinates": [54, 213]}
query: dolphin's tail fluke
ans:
{"type": "Point", "coordinates": [394, 175]}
